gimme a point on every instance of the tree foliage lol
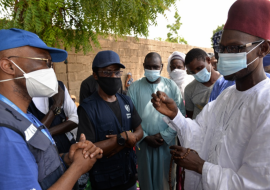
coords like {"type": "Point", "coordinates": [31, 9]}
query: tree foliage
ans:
{"type": "Point", "coordinates": [219, 28]}
{"type": "Point", "coordinates": [78, 23]}
{"type": "Point", "coordinates": [173, 36]}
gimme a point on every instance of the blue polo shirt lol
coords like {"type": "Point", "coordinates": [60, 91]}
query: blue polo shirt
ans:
{"type": "Point", "coordinates": [18, 168]}
{"type": "Point", "coordinates": [220, 85]}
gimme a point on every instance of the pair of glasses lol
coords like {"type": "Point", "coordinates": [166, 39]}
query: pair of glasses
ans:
{"type": "Point", "coordinates": [48, 61]}
{"type": "Point", "coordinates": [110, 73]}
{"type": "Point", "coordinates": [234, 49]}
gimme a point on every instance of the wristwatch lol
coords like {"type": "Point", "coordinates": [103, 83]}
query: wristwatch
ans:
{"type": "Point", "coordinates": [121, 140]}
{"type": "Point", "coordinates": [56, 110]}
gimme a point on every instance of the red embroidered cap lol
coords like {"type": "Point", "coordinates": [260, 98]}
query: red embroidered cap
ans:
{"type": "Point", "coordinates": [250, 16]}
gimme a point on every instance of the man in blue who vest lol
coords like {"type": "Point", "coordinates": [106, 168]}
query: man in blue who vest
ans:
{"type": "Point", "coordinates": [29, 158]}
{"type": "Point", "coordinates": [107, 119]}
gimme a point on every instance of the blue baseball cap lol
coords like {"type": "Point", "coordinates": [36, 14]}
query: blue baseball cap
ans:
{"type": "Point", "coordinates": [13, 38]}
{"type": "Point", "coordinates": [106, 58]}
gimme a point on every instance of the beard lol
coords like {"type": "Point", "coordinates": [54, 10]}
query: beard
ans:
{"type": "Point", "coordinates": [230, 77]}
{"type": "Point", "coordinates": [19, 87]}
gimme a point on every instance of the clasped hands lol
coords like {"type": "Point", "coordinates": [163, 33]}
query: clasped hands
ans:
{"type": "Point", "coordinates": [154, 141]}
{"type": "Point", "coordinates": [83, 154]}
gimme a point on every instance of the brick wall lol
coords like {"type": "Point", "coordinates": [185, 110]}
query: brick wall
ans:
{"type": "Point", "coordinates": [131, 52]}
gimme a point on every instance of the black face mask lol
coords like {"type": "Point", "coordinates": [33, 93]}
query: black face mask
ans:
{"type": "Point", "coordinates": [109, 85]}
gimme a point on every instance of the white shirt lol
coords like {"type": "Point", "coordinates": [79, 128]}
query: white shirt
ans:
{"type": "Point", "coordinates": [232, 134]}
{"type": "Point", "coordinates": [70, 109]}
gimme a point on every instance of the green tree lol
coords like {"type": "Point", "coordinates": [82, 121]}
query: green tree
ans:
{"type": "Point", "coordinates": [219, 28]}
{"type": "Point", "coordinates": [173, 36]}
{"type": "Point", "coordinates": [78, 23]}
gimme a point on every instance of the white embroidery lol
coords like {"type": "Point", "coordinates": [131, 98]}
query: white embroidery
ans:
{"type": "Point", "coordinates": [128, 115]}
{"type": "Point", "coordinates": [127, 108]}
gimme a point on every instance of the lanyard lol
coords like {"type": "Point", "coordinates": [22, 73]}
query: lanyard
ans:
{"type": "Point", "coordinates": [44, 131]}
{"type": "Point", "coordinates": [11, 104]}
{"type": "Point", "coordinates": [37, 122]}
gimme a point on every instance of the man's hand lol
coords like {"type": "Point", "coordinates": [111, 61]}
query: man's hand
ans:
{"type": "Point", "coordinates": [132, 139]}
{"type": "Point", "coordinates": [82, 164]}
{"type": "Point", "coordinates": [154, 141]}
{"type": "Point", "coordinates": [58, 99]}
{"type": "Point", "coordinates": [191, 162]}
{"type": "Point", "coordinates": [87, 150]}
{"type": "Point", "coordinates": [131, 142]}
{"type": "Point", "coordinates": [164, 104]}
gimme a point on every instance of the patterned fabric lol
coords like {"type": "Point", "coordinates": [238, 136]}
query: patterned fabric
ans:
{"type": "Point", "coordinates": [216, 40]}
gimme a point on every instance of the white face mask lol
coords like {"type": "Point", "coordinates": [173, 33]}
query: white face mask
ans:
{"type": "Point", "coordinates": [40, 83]}
{"type": "Point", "coordinates": [178, 73]}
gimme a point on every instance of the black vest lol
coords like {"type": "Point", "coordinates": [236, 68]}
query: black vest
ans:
{"type": "Point", "coordinates": [120, 168]}
{"type": "Point", "coordinates": [50, 167]}
{"type": "Point", "coordinates": [62, 142]}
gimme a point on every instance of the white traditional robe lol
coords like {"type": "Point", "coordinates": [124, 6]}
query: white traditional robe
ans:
{"type": "Point", "coordinates": [232, 135]}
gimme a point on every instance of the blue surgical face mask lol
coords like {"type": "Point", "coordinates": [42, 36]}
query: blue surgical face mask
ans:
{"type": "Point", "coordinates": [152, 75]}
{"type": "Point", "coordinates": [230, 63]}
{"type": "Point", "coordinates": [203, 75]}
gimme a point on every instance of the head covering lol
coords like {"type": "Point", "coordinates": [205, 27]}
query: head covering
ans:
{"type": "Point", "coordinates": [73, 96]}
{"type": "Point", "coordinates": [251, 17]}
{"type": "Point", "coordinates": [180, 77]}
{"type": "Point", "coordinates": [106, 58]}
{"type": "Point", "coordinates": [266, 60]}
{"type": "Point", "coordinates": [175, 55]}
{"type": "Point", "coordinates": [216, 40]}
{"type": "Point", "coordinates": [13, 38]}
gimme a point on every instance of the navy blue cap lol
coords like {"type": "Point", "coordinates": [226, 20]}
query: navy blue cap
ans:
{"type": "Point", "coordinates": [106, 58]}
{"type": "Point", "coordinates": [13, 38]}
{"type": "Point", "coordinates": [266, 60]}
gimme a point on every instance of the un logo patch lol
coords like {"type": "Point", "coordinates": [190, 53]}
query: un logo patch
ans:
{"type": "Point", "coordinates": [127, 108]}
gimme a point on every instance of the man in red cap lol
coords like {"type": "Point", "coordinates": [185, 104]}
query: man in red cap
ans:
{"type": "Point", "coordinates": [227, 146]}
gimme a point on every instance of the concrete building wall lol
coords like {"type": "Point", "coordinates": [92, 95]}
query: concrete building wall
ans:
{"type": "Point", "coordinates": [131, 52]}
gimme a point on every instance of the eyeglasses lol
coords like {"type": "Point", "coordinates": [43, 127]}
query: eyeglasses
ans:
{"type": "Point", "coordinates": [234, 49]}
{"type": "Point", "coordinates": [48, 61]}
{"type": "Point", "coordinates": [110, 73]}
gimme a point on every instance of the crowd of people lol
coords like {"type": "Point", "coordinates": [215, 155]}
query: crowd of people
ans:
{"type": "Point", "coordinates": [207, 127]}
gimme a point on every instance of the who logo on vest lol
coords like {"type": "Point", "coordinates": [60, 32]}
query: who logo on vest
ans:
{"type": "Point", "coordinates": [128, 110]}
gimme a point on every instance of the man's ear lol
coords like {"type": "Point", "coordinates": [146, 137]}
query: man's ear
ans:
{"type": "Point", "coordinates": [208, 60]}
{"type": "Point", "coordinates": [7, 67]}
{"type": "Point", "coordinates": [161, 67]}
{"type": "Point", "coordinates": [95, 76]}
{"type": "Point", "coordinates": [265, 49]}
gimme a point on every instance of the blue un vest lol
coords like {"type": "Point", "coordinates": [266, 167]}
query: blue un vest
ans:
{"type": "Point", "coordinates": [50, 168]}
{"type": "Point", "coordinates": [120, 168]}
{"type": "Point", "coordinates": [62, 142]}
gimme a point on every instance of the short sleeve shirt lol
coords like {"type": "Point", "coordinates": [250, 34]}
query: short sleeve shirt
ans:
{"type": "Point", "coordinates": [86, 126]}
{"type": "Point", "coordinates": [196, 97]}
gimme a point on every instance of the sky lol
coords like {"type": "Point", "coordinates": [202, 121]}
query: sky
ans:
{"type": "Point", "coordinates": [198, 17]}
